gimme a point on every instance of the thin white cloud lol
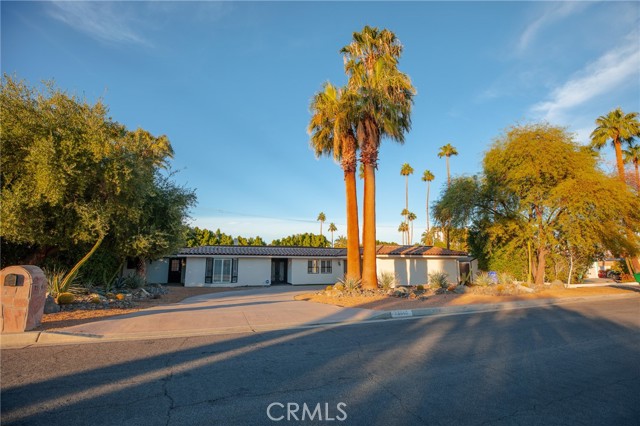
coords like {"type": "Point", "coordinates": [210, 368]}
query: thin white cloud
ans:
{"type": "Point", "coordinates": [609, 72]}
{"type": "Point", "coordinates": [551, 13]}
{"type": "Point", "coordinates": [105, 21]}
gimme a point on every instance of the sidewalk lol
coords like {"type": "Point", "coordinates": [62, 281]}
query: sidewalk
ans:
{"type": "Point", "coordinates": [253, 310]}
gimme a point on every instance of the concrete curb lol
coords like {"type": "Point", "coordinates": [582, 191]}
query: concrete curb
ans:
{"type": "Point", "coordinates": [494, 307]}
{"type": "Point", "coordinates": [47, 338]}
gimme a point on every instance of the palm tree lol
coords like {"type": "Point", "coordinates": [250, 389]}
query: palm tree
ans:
{"type": "Point", "coordinates": [404, 214]}
{"type": "Point", "coordinates": [405, 171]}
{"type": "Point", "coordinates": [403, 229]}
{"type": "Point", "coordinates": [447, 151]}
{"type": "Point", "coordinates": [341, 242]}
{"type": "Point", "coordinates": [332, 133]}
{"type": "Point", "coordinates": [332, 229]}
{"type": "Point", "coordinates": [632, 155]}
{"type": "Point", "coordinates": [321, 218]}
{"type": "Point", "coordinates": [411, 217]}
{"type": "Point", "coordinates": [427, 176]}
{"type": "Point", "coordinates": [385, 96]}
{"type": "Point", "coordinates": [615, 126]}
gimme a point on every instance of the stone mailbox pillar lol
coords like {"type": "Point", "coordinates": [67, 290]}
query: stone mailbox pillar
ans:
{"type": "Point", "coordinates": [24, 290]}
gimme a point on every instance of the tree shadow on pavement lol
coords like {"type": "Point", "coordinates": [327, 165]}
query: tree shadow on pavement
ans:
{"type": "Point", "coordinates": [519, 366]}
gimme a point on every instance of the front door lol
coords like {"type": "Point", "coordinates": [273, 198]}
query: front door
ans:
{"type": "Point", "coordinates": [175, 270]}
{"type": "Point", "coordinates": [278, 271]}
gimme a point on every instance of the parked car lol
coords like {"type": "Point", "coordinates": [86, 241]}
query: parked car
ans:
{"type": "Point", "coordinates": [602, 273]}
{"type": "Point", "coordinates": [614, 275]}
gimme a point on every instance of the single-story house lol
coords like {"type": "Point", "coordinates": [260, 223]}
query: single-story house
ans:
{"type": "Point", "coordinates": [236, 266]}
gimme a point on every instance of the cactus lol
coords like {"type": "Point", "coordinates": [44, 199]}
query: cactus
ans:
{"type": "Point", "coordinates": [65, 298]}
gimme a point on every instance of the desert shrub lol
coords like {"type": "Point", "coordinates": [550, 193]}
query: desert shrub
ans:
{"type": "Point", "coordinates": [95, 298]}
{"type": "Point", "coordinates": [134, 281]}
{"type": "Point", "coordinates": [338, 286]}
{"type": "Point", "coordinates": [120, 296]}
{"type": "Point", "coordinates": [438, 279]}
{"type": "Point", "coordinates": [328, 288]}
{"type": "Point", "coordinates": [386, 280]}
{"type": "Point", "coordinates": [350, 284]}
{"type": "Point", "coordinates": [500, 288]}
{"type": "Point", "coordinates": [65, 298]}
{"type": "Point", "coordinates": [505, 278]}
{"type": "Point", "coordinates": [483, 279]}
{"type": "Point", "coordinates": [420, 287]}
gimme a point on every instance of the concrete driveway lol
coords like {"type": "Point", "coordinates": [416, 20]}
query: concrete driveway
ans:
{"type": "Point", "coordinates": [229, 312]}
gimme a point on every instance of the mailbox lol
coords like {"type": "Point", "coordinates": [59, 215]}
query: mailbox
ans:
{"type": "Point", "coordinates": [24, 290]}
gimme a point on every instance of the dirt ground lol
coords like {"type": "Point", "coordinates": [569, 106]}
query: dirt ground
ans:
{"type": "Point", "coordinates": [380, 302]}
{"type": "Point", "coordinates": [70, 318]}
{"type": "Point", "coordinates": [383, 302]}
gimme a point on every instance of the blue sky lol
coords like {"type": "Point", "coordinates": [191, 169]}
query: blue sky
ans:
{"type": "Point", "coordinates": [230, 85]}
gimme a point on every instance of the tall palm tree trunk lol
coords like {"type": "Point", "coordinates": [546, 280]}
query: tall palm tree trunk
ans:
{"type": "Point", "coordinates": [428, 184]}
{"type": "Point", "coordinates": [353, 230]}
{"type": "Point", "coordinates": [448, 174]}
{"type": "Point", "coordinates": [619, 161]}
{"type": "Point", "coordinates": [369, 275]}
{"type": "Point", "coordinates": [406, 202]}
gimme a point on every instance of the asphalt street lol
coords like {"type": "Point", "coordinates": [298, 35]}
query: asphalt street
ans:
{"type": "Point", "coordinates": [568, 364]}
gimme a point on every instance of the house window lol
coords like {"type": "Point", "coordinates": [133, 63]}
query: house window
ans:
{"type": "Point", "coordinates": [221, 271]}
{"type": "Point", "coordinates": [325, 266]}
{"type": "Point", "coordinates": [313, 267]}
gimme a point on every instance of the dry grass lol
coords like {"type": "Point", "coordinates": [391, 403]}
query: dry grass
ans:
{"type": "Point", "coordinates": [384, 302]}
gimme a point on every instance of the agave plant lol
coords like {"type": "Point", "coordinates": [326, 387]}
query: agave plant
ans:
{"type": "Point", "coordinates": [350, 283]}
{"type": "Point", "coordinates": [386, 280]}
{"type": "Point", "coordinates": [56, 283]}
{"type": "Point", "coordinates": [439, 279]}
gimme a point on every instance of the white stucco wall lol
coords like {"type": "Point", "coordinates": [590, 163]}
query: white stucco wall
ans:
{"type": "Point", "coordinates": [450, 266]}
{"type": "Point", "coordinates": [299, 275]}
{"type": "Point", "coordinates": [194, 274]}
{"type": "Point", "coordinates": [415, 271]}
{"type": "Point", "coordinates": [408, 271]}
{"type": "Point", "coordinates": [251, 272]}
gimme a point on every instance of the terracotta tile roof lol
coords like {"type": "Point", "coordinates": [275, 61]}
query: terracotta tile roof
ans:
{"type": "Point", "coordinates": [389, 250]}
{"type": "Point", "coordinates": [269, 251]}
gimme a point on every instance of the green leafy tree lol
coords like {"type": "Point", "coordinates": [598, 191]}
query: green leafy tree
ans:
{"type": "Point", "coordinates": [73, 179]}
{"type": "Point", "coordinates": [302, 240]}
{"type": "Point", "coordinates": [615, 127]}
{"type": "Point", "coordinates": [384, 100]}
{"type": "Point", "coordinates": [528, 201]}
